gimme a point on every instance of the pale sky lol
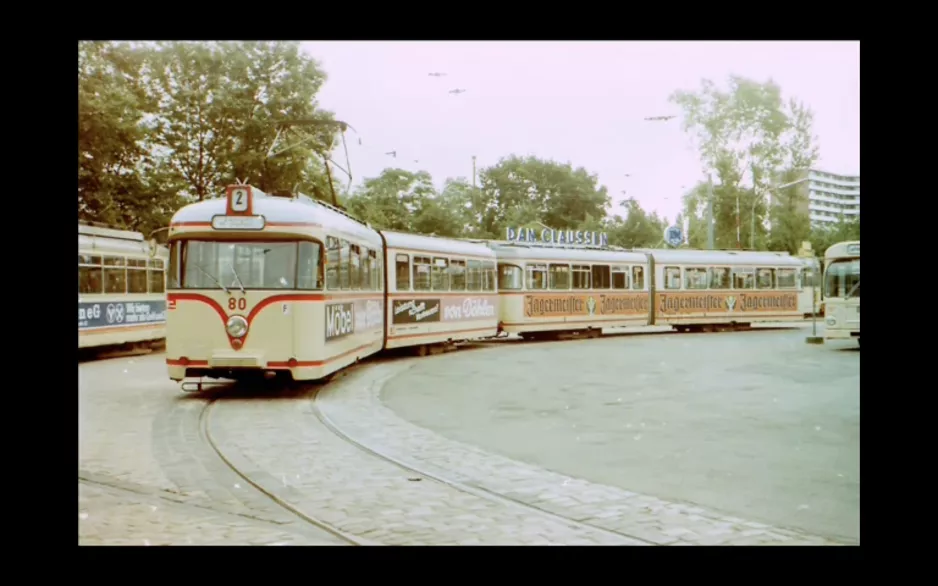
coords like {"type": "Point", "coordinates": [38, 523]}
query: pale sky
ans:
{"type": "Point", "coordinates": [577, 102]}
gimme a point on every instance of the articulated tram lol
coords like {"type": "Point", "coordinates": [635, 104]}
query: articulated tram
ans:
{"type": "Point", "coordinates": [291, 286]}
{"type": "Point", "coordinates": [121, 288]}
{"type": "Point", "coordinates": [842, 291]}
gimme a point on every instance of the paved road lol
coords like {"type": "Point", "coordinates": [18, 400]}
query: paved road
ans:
{"type": "Point", "coordinates": [756, 424]}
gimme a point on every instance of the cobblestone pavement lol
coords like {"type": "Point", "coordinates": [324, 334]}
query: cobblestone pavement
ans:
{"type": "Point", "coordinates": [132, 515]}
{"type": "Point", "coordinates": [291, 454]}
{"type": "Point", "coordinates": [146, 475]}
{"type": "Point", "coordinates": [757, 424]}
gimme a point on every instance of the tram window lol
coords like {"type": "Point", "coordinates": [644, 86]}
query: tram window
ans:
{"type": "Point", "coordinates": [115, 280]}
{"type": "Point", "coordinates": [638, 278]}
{"type": "Point", "coordinates": [600, 276]}
{"type": "Point", "coordinates": [364, 271]}
{"type": "Point", "coordinates": [457, 270]}
{"type": "Point", "coordinates": [765, 279]}
{"type": "Point", "coordinates": [332, 262]}
{"type": "Point", "coordinates": [488, 275]}
{"type": "Point", "coordinates": [581, 276]}
{"type": "Point", "coordinates": [620, 277]}
{"type": "Point", "coordinates": [536, 277]}
{"type": "Point", "coordinates": [375, 274]}
{"type": "Point", "coordinates": [421, 273]}
{"type": "Point", "coordinates": [309, 270]}
{"type": "Point", "coordinates": [402, 269]}
{"type": "Point", "coordinates": [157, 280]}
{"type": "Point", "coordinates": [842, 278]}
{"type": "Point", "coordinates": [743, 278]}
{"type": "Point", "coordinates": [136, 280]}
{"type": "Point", "coordinates": [474, 275]}
{"type": "Point", "coordinates": [278, 267]}
{"type": "Point", "coordinates": [719, 278]}
{"type": "Point", "coordinates": [672, 277]}
{"type": "Point", "coordinates": [439, 278]}
{"type": "Point", "coordinates": [87, 259]}
{"type": "Point", "coordinates": [560, 277]}
{"type": "Point", "coordinates": [354, 266]}
{"type": "Point", "coordinates": [786, 278]}
{"type": "Point", "coordinates": [695, 278]}
{"type": "Point", "coordinates": [509, 277]}
{"type": "Point", "coordinates": [344, 252]}
{"type": "Point", "coordinates": [113, 261]}
{"type": "Point", "coordinates": [90, 280]}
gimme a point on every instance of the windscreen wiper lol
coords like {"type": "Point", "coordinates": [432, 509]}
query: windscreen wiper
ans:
{"type": "Point", "coordinates": [212, 277]}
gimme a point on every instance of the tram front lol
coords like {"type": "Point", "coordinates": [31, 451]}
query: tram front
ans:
{"type": "Point", "coordinates": [842, 291]}
{"type": "Point", "coordinates": [238, 266]}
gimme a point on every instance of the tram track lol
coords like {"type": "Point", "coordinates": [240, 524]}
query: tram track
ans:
{"type": "Point", "coordinates": [476, 491]}
{"type": "Point", "coordinates": [205, 415]}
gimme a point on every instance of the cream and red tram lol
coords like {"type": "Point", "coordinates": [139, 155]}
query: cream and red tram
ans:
{"type": "Point", "coordinates": [262, 283]}
{"type": "Point", "coordinates": [121, 288]}
{"type": "Point", "coordinates": [545, 289]}
{"type": "Point", "coordinates": [698, 290]}
{"type": "Point", "coordinates": [842, 291]}
{"type": "Point", "coordinates": [439, 291]}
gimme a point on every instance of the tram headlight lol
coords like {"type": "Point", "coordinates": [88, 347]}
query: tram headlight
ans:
{"type": "Point", "coordinates": [831, 321]}
{"type": "Point", "coordinates": [237, 326]}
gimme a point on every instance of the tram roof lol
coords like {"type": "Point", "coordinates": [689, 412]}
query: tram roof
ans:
{"type": "Point", "coordinates": [431, 244]}
{"type": "Point", "coordinates": [722, 257]}
{"type": "Point", "coordinates": [281, 212]}
{"type": "Point", "coordinates": [512, 250]}
{"type": "Point", "coordinates": [846, 249]}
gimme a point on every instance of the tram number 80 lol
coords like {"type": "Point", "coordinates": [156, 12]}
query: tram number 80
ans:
{"type": "Point", "coordinates": [241, 303]}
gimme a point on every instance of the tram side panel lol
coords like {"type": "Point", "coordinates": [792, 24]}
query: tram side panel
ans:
{"type": "Point", "coordinates": [602, 294]}
{"type": "Point", "coordinates": [698, 295]}
{"type": "Point", "coordinates": [439, 296]}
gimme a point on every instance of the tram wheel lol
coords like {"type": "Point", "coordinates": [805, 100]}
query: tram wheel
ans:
{"type": "Point", "coordinates": [422, 350]}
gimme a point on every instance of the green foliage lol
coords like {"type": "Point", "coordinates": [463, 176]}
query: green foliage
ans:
{"type": "Point", "coordinates": [748, 129]}
{"type": "Point", "coordinates": [161, 124]}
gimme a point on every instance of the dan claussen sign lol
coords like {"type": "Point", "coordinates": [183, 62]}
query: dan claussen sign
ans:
{"type": "Point", "coordinates": [551, 236]}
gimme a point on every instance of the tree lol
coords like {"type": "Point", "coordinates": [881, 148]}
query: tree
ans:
{"type": "Point", "coordinates": [520, 190]}
{"type": "Point", "coordinates": [405, 201]}
{"type": "Point", "coordinates": [220, 105]}
{"type": "Point", "coordinates": [747, 129]}
{"type": "Point", "coordinates": [638, 229]}
{"type": "Point", "coordinates": [112, 157]}
{"type": "Point", "coordinates": [791, 222]}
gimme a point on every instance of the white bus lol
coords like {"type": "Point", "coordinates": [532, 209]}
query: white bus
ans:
{"type": "Point", "coordinates": [842, 291]}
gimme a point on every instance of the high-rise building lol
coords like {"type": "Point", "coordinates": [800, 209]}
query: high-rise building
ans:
{"type": "Point", "coordinates": [830, 196]}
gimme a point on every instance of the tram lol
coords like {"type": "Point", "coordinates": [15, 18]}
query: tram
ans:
{"type": "Point", "coordinates": [288, 286]}
{"type": "Point", "coordinates": [267, 285]}
{"type": "Point", "coordinates": [842, 291]}
{"type": "Point", "coordinates": [121, 288]}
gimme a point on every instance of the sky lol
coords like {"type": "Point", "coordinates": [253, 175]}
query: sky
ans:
{"type": "Point", "coordinates": [577, 102]}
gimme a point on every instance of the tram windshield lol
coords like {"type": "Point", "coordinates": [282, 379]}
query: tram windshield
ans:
{"type": "Point", "coordinates": [842, 278]}
{"type": "Point", "coordinates": [249, 265]}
